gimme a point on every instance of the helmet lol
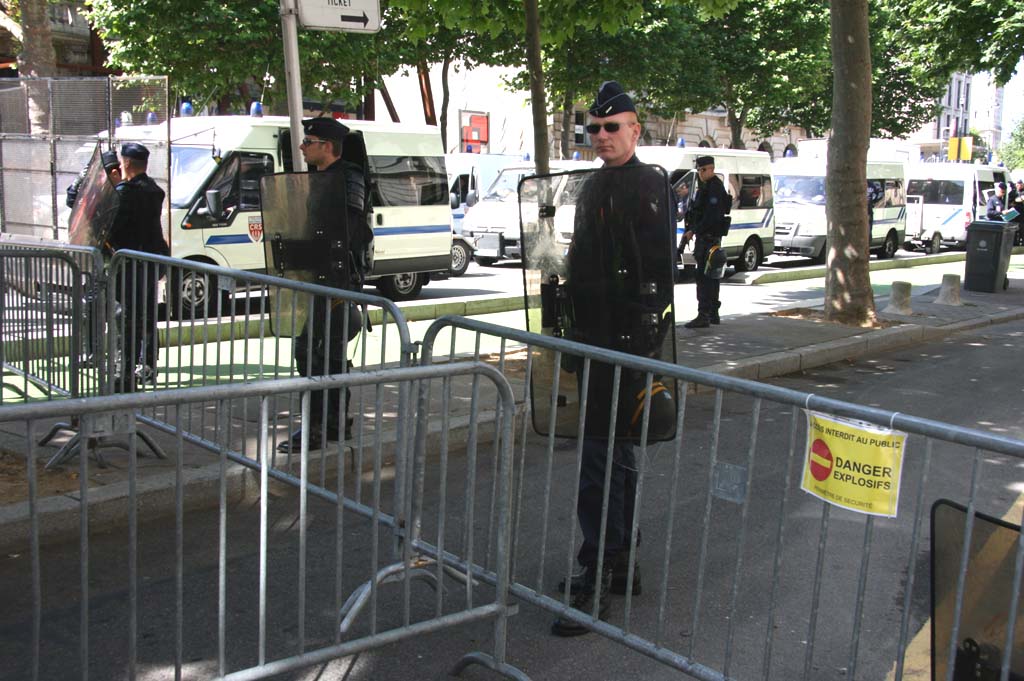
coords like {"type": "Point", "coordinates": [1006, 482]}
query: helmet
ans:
{"type": "Point", "coordinates": [715, 265]}
{"type": "Point", "coordinates": [662, 422]}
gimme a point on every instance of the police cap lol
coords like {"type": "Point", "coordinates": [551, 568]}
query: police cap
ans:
{"type": "Point", "coordinates": [611, 100]}
{"type": "Point", "coordinates": [135, 151]}
{"type": "Point", "coordinates": [325, 128]}
{"type": "Point", "coordinates": [705, 161]}
{"type": "Point", "coordinates": [1002, 185]}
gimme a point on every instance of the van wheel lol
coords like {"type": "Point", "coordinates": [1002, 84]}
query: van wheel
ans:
{"type": "Point", "coordinates": [194, 295]}
{"type": "Point", "coordinates": [460, 258]}
{"type": "Point", "coordinates": [404, 286]}
{"type": "Point", "coordinates": [486, 262]}
{"type": "Point", "coordinates": [888, 249]}
{"type": "Point", "coordinates": [750, 257]}
{"type": "Point", "coordinates": [936, 244]}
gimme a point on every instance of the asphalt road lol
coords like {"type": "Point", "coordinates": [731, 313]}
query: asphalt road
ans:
{"type": "Point", "coordinates": [963, 380]}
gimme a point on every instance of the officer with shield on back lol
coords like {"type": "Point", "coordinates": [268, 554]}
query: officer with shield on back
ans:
{"type": "Point", "coordinates": [319, 350]}
{"type": "Point", "coordinates": [136, 227]}
{"type": "Point", "coordinates": [619, 283]}
{"type": "Point", "coordinates": [708, 220]}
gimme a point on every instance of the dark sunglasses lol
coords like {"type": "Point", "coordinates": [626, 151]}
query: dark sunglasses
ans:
{"type": "Point", "coordinates": [595, 128]}
{"type": "Point", "coordinates": [306, 141]}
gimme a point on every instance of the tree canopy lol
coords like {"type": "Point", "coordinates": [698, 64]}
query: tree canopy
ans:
{"type": "Point", "coordinates": [1011, 152]}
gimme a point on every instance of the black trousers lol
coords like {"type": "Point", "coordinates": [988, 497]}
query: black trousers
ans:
{"type": "Point", "coordinates": [621, 502]}
{"type": "Point", "coordinates": [707, 288]}
{"type": "Point", "coordinates": [137, 294]}
{"type": "Point", "coordinates": [328, 354]}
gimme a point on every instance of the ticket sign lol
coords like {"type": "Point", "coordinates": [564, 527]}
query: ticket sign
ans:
{"type": "Point", "coordinates": [357, 16]}
{"type": "Point", "coordinates": [853, 464]}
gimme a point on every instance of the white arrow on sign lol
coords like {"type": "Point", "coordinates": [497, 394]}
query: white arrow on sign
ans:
{"type": "Point", "coordinates": [356, 16]}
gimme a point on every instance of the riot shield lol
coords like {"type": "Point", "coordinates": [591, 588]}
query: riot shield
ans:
{"type": "Point", "coordinates": [598, 268]}
{"type": "Point", "coordinates": [987, 609]}
{"type": "Point", "coordinates": [95, 206]}
{"type": "Point", "coordinates": [305, 236]}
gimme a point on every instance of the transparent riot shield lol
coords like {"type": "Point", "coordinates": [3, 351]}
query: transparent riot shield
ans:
{"type": "Point", "coordinates": [598, 268]}
{"type": "Point", "coordinates": [305, 235]}
{"type": "Point", "coordinates": [987, 607]}
{"type": "Point", "coordinates": [95, 207]}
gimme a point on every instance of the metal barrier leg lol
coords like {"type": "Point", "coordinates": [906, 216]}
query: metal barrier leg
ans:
{"type": "Point", "coordinates": [72, 447]}
{"type": "Point", "coordinates": [392, 573]}
{"type": "Point", "coordinates": [485, 660]}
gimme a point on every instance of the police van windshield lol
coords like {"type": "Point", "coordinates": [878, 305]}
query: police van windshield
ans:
{"type": "Point", "coordinates": [800, 189]}
{"type": "Point", "coordinates": [190, 166]}
{"type": "Point", "coordinates": [506, 186]}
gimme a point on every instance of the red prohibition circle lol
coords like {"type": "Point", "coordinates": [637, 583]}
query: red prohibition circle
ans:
{"type": "Point", "coordinates": [819, 469]}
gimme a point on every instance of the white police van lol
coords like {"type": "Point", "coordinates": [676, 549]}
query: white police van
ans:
{"type": "Point", "coordinates": [468, 175]}
{"type": "Point", "coordinates": [801, 227]}
{"type": "Point", "coordinates": [411, 218]}
{"type": "Point", "coordinates": [944, 198]}
{"type": "Point", "coordinates": [493, 225]}
{"type": "Point", "coordinates": [747, 177]}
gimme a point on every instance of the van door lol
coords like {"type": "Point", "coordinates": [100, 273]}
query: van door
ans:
{"type": "Point", "coordinates": [236, 234]}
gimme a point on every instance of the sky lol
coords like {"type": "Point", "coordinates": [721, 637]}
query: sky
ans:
{"type": "Point", "coordinates": [1013, 101]}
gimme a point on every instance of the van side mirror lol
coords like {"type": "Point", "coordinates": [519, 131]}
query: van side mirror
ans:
{"type": "Point", "coordinates": [213, 204]}
{"type": "Point", "coordinates": [453, 199]}
{"type": "Point", "coordinates": [471, 198]}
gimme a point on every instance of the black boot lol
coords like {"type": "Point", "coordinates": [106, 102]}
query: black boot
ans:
{"type": "Point", "coordinates": [620, 575]}
{"type": "Point", "coordinates": [713, 317]}
{"type": "Point", "coordinates": [584, 602]}
{"type": "Point", "coordinates": [701, 321]}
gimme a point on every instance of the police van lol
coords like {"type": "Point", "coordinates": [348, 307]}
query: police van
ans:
{"type": "Point", "coordinates": [493, 225]}
{"type": "Point", "coordinates": [410, 217]}
{"type": "Point", "coordinates": [944, 198]}
{"type": "Point", "coordinates": [468, 175]}
{"type": "Point", "coordinates": [801, 227]}
{"type": "Point", "coordinates": [747, 177]}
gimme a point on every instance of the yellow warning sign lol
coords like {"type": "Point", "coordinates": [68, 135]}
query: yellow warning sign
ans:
{"type": "Point", "coordinates": [853, 464]}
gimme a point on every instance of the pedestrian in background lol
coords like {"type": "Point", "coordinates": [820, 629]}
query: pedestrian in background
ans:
{"type": "Point", "coordinates": [708, 223]}
{"type": "Point", "coordinates": [136, 227]}
{"type": "Point", "coordinates": [1016, 202]}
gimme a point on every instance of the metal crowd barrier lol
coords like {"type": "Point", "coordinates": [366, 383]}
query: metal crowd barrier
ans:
{"type": "Point", "coordinates": [744, 576]}
{"type": "Point", "coordinates": [252, 591]}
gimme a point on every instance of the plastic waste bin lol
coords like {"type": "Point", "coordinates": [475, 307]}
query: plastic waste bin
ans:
{"type": "Point", "coordinates": [989, 246]}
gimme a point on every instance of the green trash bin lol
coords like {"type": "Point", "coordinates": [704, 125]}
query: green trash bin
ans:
{"type": "Point", "coordinates": [989, 246]}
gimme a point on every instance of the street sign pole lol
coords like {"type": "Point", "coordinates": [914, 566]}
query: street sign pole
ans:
{"type": "Point", "coordinates": [292, 77]}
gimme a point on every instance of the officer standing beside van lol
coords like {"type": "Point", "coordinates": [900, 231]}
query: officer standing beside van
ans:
{"type": "Point", "coordinates": [708, 222]}
{"type": "Point", "coordinates": [315, 353]}
{"type": "Point", "coordinates": [136, 227]}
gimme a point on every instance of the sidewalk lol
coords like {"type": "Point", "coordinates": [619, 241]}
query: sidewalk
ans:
{"type": "Point", "coordinates": [755, 346]}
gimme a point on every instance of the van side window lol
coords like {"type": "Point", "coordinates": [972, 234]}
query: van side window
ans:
{"type": "Point", "coordinates": [408, 181]}
{"type": "Point", "coordinates": [894, 195]}
{"type": "Point", "coordinates": [985, 189]}
{"type": "Point", "coordinates": [238, 181]}
{"type": "Point", "coordinates": [751, 191]}
{"type": "Point", "coordinates": [936, 192]}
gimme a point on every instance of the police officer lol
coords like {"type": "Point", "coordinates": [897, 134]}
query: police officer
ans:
{"type": "Point", "coordinates": [708, 223]}
{"type": "Point", "coordinates": [137, 227]}
{"type": "Point", "coordinates": [322, 150]}
{"type": "Point", "coordinates": [996, 205]}
{"type": "Point", "coordinates": [1016, 201]}
{"type": "Point", "coordinates": [604, 285]}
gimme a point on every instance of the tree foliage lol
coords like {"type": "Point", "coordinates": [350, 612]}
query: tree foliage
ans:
{"type": "Point", "coordinates": [966, 35]}
{"type": "Point", "coordinates": [1012, 151]}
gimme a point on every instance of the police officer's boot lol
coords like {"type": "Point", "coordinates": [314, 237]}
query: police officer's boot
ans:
{"type": "Point", "coordinates": [701, 321]}
{"type": "Point", "coordinates": [584, 602]}
{"type": "Point", "coordinates": [713, 317]}
{"type": "Point", "coordinates": [619, 581]}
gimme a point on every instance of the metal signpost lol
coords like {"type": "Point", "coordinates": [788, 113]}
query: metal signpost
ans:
{"type": "Point", "coordinates": [352, 16]}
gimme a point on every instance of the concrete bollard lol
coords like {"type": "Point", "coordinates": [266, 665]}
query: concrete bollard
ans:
{"type": "Point", "coordinates": [949, 294]}
{"type": "Point", "coordinates": [899, 299]}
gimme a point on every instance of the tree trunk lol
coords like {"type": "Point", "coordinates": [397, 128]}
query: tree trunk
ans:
{"type": "Point", "coordinates": [568, 123]}
{"type": "Point", "coordinates": [426, 94]}
{"type": "Point", "coordinates": [848, 295]}
{"type": "Point", "coordinates": [538, 101]}
{"type": "Point", "coordinates": [37, 60]}
{"type": "Point", "coordinates": [445, 95]}
{"type": "Point", "coordinates": [736, 129]}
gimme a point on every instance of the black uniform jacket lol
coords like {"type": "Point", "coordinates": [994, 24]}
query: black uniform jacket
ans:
{"type": "Point", "coordinates": [711, 207]}
{"type": "Point", "coordinates": [137, 224]}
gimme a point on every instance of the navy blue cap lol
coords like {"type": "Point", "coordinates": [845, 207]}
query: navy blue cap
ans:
{"type": "Point", "coordinates": [324, 128]}
{"type": "Point", "coordinates": [704, 161]}
{"type": "Point", "coordinates": [611, 100]}
{"type": "Point", "coordinates": [134, 150]}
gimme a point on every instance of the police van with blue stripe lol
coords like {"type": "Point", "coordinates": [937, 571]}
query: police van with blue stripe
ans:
{"type": "Point", "coordinates": [747, 177]}
{"type": "Point", "coordinates": [801, 226]}
{"type": "Point", "coordinates": [410, 213]}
